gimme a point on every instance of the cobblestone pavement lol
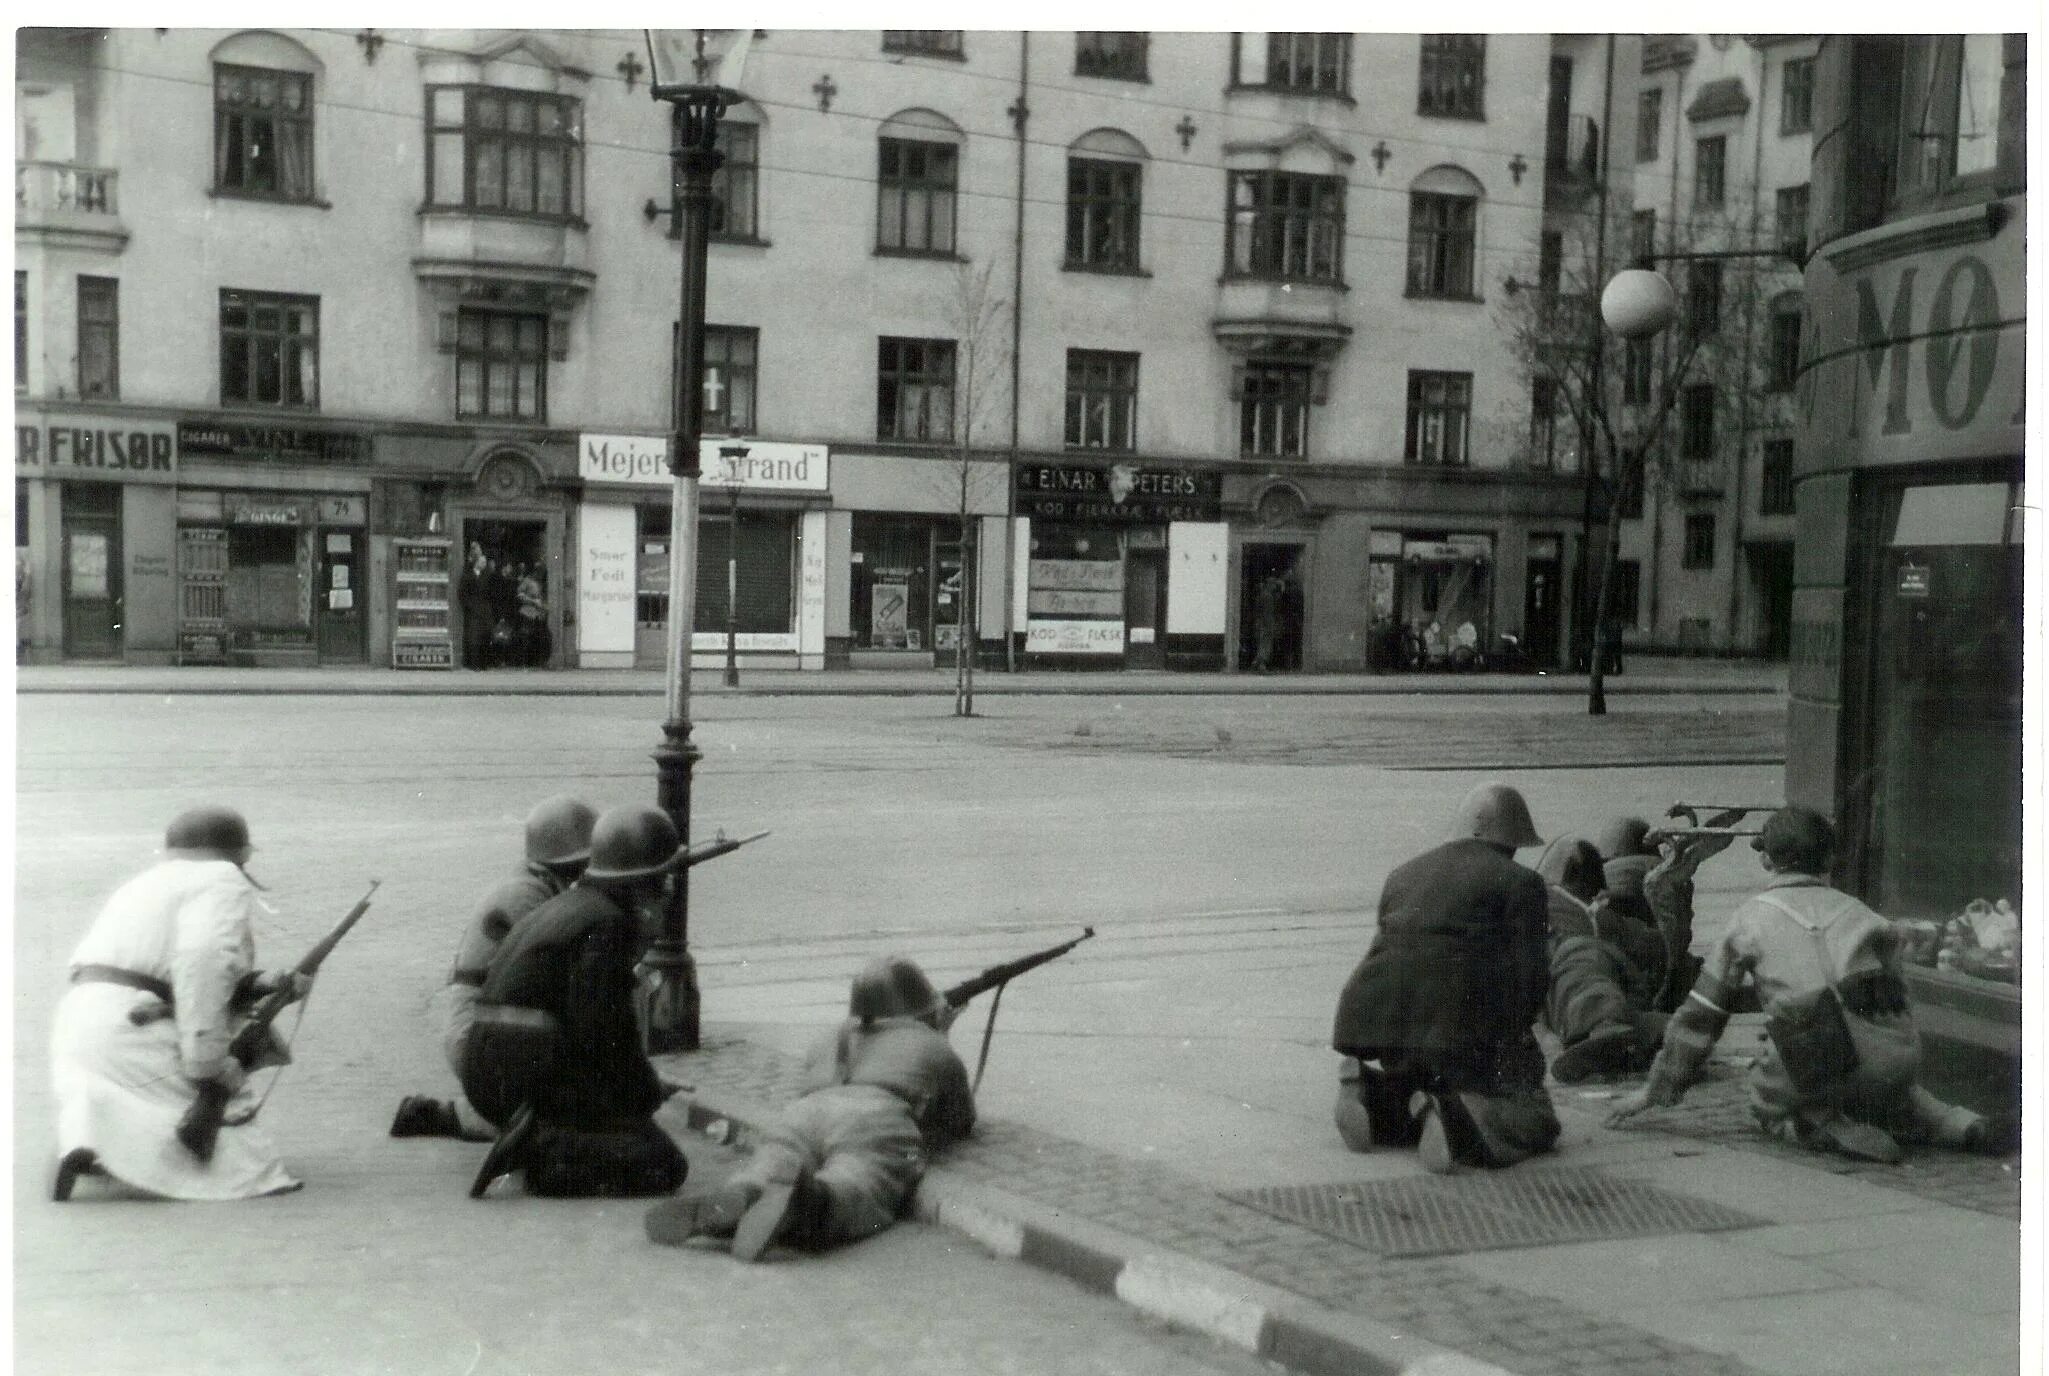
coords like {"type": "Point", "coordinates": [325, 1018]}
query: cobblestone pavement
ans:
{"type": "Point", "coordinates": [1434, 1299]}
{"type": "Point", "coordinates": [1716, 1112]}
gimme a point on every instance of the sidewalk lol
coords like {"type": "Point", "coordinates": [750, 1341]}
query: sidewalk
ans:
{"type": "Point", "coordinates": [1645, 675]}
{"type": "Point", "coordinates": [1687, 1247]}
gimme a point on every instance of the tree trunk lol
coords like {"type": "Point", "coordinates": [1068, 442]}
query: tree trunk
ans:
{"type": "Point", "coordinates": [964, 623]}
{"type": "Point", "coordinates": [1604, 591]}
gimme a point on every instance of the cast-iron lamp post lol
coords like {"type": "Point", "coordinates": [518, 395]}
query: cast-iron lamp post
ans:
{"type": "Point", "coordinates": [673, 1005]}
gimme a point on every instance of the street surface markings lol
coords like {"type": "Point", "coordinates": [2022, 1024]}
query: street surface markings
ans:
{"type": "Point", "coordinates": [1478, 1213]}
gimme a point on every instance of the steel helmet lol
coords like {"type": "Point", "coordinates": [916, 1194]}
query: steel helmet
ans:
{"type": "Point", "coordinates": [893, 987]}
{"type": "Point", "coordinates": [1621, 836]}
{"type": "Point", "coordinates": [633, 843]}
{"type": "Point", "coordinates": [207, 828]}
{"type": "Point", "coordinates": [558, 831]}
{"type": "Point", "coordinates": [1498, 814]}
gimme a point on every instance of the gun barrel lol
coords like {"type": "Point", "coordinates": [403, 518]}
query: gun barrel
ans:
{"type": "Point", "coordinates": [1725, 807]}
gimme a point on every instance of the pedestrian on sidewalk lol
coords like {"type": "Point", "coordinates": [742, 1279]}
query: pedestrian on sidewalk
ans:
{"type": "Point", "coordinates": [474, 595]}
{"type": "Point", "coordinates": [558, 846]}
{"type": "Point", "coordinates": [1437, 1019]}
{"type": "Point", "coordinates": [149, 1017]}
{"type": "Point", "coordinates": [555, 1058]}
{"type": "Point", "coordinates": [1837, 1067]}
{"type": "Point", "coordinates": [885, 1091]}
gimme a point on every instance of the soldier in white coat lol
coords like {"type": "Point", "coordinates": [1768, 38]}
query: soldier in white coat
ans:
{"type": "Point", "coordinates": [148, 1019]}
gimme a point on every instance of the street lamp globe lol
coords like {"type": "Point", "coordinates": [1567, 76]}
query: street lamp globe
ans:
{"type": "Point", "coordinates": [1638, 303]}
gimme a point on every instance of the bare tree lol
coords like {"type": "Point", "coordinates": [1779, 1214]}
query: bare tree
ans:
{"type": "Point", "coordinates": [1617, 395]}
{"type": "Point", "coordinates": [976, 313]}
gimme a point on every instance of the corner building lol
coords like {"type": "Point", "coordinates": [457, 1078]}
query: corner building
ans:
{"type": "Point", "coordinates": [1161, 350]}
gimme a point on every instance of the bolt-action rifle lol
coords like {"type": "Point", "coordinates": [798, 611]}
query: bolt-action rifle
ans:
{"type": "Point", "coordinates": [721, 844]}
{"type": "Point", "coordinates": [997, 977]}
{"type": "Point", "coordinates": [253, 1044]}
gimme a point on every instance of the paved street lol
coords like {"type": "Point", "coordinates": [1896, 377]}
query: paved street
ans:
{"type": "Point", "coordinates": [1227, 849]}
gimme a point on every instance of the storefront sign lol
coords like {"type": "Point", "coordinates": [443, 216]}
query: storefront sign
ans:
{"type": "Point", "coordinates": [1913, 580]}
{"type": "Point", "coordinates": [1056, 602]}
{"type": "Point", "coordinates": [96, 448]}
{"type": "Point", "coordinates": [422, 654]}
{"type": "Point", "coordinates": [642, 460]}
{"type": "Point", "coordinates": [1074, 637]}
{"type": "Point", "coordinates": [605, 539]}
{"type": "Point", "coordinates": [764, 467]}
{"type": "Point", "coordinates": [1078, 574]}
{"type": "Point", "coordinates": [272, 442]}
{"type": "Point", "coordinates": [1120, 493]}
{"type": "Point", "coordinates": [265, 511]}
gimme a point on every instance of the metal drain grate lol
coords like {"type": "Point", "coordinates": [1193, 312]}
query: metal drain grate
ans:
{"type": "Point", "coordinates": [1477, 1213]}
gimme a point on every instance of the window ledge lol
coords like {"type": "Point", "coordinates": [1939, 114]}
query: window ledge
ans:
{"type": "Point", "coordinates": [1469, 116]}
{"type": "Point", "coordinates": [737, 240]}
{"type": "Point", "coordinates": [223, 193]}
{"type": "Point", "coordinates": [1086, 449]}
{"type": "Point", "coordinates": [916, 446]}
{"type": "Point", "coordinates": [493, 213]}
{"type": "Point", "coordinates": [1263, 88]}
{"type": "Point", "coordinates": [1141, 78]}
{"type": "Point", "coordinates": [516, 422]}
{"type": "Point", "coordinates": [1274, 280]}
{"type": "Point", "coordinates": [1102, 270]}
{"type": "Point", "coordinates": [941, 256]}
{"type": "Point", "coordinates": [942, 56]}
{"type": "Point", "coordinates": [269, 408]}
{"type": "Point", "coordinates": [1461, 298]}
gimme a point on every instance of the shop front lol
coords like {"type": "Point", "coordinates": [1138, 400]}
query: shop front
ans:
{"type": "Point", "coordinates": [271, 578]}
{"type": "Point", "coordinates": [94, 536]}
{"type": "Point", "coordinates": [1907, 611]}
{"type": "Point", "coordinates": [760, 553]}
{"type": "Point", "coordinates": [1124, 566]}
{"type": "Point", "coordinates": [1434, 590]}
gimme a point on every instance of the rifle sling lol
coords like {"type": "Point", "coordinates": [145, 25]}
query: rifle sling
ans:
{"type": "Point", "coordinates": [127, 979]}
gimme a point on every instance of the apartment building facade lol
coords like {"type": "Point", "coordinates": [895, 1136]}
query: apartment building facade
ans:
{"type": "Point", "coordinates": [1130, 339]}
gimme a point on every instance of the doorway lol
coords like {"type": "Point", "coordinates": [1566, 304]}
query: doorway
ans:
{"type": "Point", "coordinates": [92, 571]}
{"type": "Point", "coordinates": [507, 593]}
{"type": "Point", "coordinates": [1270, 608]}
{"type": "Point", "coordinates": [1543, 598]}
{"type": "Point", "coordinates": [339, 594]}
{"type": "Point", "coordinates": [1145, 609]}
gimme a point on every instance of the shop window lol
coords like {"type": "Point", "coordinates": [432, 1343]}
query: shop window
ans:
{"type": "Point", "coordinates": [1447, 594]}
{"type": "Point", "coordinates": [891, 586]}
{"type": "Point", "coordinates": [1710, 165]}
{"type": "Point", "coordinates": [505, 152]}
{"type": "Point", "coordinates": [1453, 79]}
{"type": "Point", "coordinates": [1102, 213]}
{"type": "Point", "coordinates": [1286, 225]}
{"type": "Point", "coordinates": [501, 366]}
{"type": "Point", "coordinates": [1698, 551]}
{"type": "Point", "coordinates": [733, 185]}
{"type": "Point", "coordinates": [914, 389]}
{"type": "Point", "coordinates": [1782, 353]}
{"type": "Point", "coordinates": [1273, 410]}
{"type": "Point", "coordinates": [1114, 56]}
{"type": "Point", "coordinates": [269, 585]}
{"type": "Point", "coordinates": [917, 185]}
{"type": "Point", "coordinates": [1934, 806]}
{"type": "Point", "coordinates": [1789, 219]}
{"type": "Point", "coordinates": [763, 545]}
{"type": "Point", "coordinates": [651, 584]}
{"type": "Point", "coordinates": [99, 338]}
{"type": "Point", "coordinates": [1650, 116]}
{"type": "Point", "coordinates": [729, 379]}
{"type": "Point", "coordinates": [1307, 63]}
{"type": "Point", "coordinates": [263, 133]}
{"type": "Point", "coordinates": [1439, 419]}
{"type": "Point", "coordinates": [1441, 234]}
{"type": "Point", "coordinates": [270, 350]}
{"type": "Point", "coordinates": [1102, 400]}
{"type": "Point", "coordinates": [923, 42]}
{"type": "Point", "coordinates": [1775, 497]}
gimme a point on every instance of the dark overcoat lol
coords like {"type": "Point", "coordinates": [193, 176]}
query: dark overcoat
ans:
{"type": "Point", "coordinates": [1459, 964]}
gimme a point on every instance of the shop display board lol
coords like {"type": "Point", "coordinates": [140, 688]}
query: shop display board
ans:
{"type": "Point", "coordinates": [421, 634]}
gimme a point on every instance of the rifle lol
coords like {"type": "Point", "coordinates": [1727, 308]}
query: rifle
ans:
{"type": "Point", "coordinates": [996, 977]}
{"type": "Point", "coordinates": [721, 844]}
{"type": "Point", "coordinates": [253, 1044]}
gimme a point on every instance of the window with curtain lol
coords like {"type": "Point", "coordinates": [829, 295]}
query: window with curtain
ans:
{"type": "Point", "coordinates": [1440, 418]}
{"type": "Point", "coordinates": [1111, 55]}
{"type": "Point", "coordinates": [1286, 225]}
{"type": "Point", "coordinates": [501, 366]}
{"type": "Point", "coordinates": [1273, 410]}
{"type": "Point", "coordinates": [263, 132]}
{"type": "Point", "coordinates": [923, 42]}
{"type": "Point", "coordinates": [1311, 63]}
{"type": "Point", "coordinates": [729, 373]}
{"type": "Point", "coordinates": [1796, 96]}
{"type": "Point", "coordinates": [505, 152]}
{"type": "Point", "coordinates": [733, 185]}
{"type": "Point", "coordinates": [1710, 165]}
{"type": "Point", "coordinates": [99, 338]}
{"type": "Point", "coordinates": [1102, 400]}
{"type": "Point", "coordinates": [918, 182]}
{"type": "Point", "coordinates": [270, 350]}
{"type": "Point", "coordinates": [1102, 213]}
{"type": "Point", "coordinates": [1441, 234]}
{"type": "Point", "coordinates": [1782, 351]}
{"type": "Point", "coordinates": [914, 389]}
{"type": "Point", "coordinates": [1453, 77]}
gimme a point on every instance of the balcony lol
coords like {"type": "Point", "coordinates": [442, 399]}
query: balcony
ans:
{"type": "Point", "coordinates": [1572, 160]}
{"type": "Point", "coordinates": [1255, 315]}
{"type": "Point", "coordinates": [66, 205]}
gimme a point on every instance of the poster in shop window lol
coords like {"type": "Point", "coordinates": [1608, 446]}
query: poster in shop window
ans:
{"type": "Point", "coordinates": [889, 616]}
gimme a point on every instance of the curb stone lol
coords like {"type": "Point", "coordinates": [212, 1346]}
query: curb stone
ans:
{"type": "Point", "coordinates": [1229, 1308]}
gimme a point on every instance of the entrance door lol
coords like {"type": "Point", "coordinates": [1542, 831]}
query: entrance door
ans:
{"type": "Point", "coordinates": [498, 631]}
{"type": "Point", "coordinates": [1145, 609]}
{"type": "Point", "coordinates": [340, 596]}
{"type": "Point", "coordinates": [1270, 608]}
{"type": "Point", "coordinates": [92, 571]}
{"type": "Point", "coordinates": [1542, 597]}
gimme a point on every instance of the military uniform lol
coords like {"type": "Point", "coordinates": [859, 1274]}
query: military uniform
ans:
{"type": "Point", "coordinates": [555, 1031]}
{"type": "Point", "coordinates": [501, 909]}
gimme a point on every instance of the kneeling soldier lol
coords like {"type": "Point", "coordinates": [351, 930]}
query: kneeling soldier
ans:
{"type": "Point", "coordinates": [841, 1162]}
{"type": "Point", "coordinates": [558, 846]}
{"type": "Point", "coordinates": [555, 1058]}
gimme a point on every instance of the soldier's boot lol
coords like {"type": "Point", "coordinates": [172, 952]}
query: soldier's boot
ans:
{"type": "Point", "coordinates": [506, 1153]}
{"type": "Point", "coordinates": [76, 1162]}
{"type": "Point", "coordinates": [1609, 1048]}
{"type": "Point", "coordinates": [421, 1116]}
{"type": "Point", "coordinates": [786, 1212]}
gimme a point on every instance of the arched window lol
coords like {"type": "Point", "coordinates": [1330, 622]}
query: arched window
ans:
{"type": "Point", "coordinates": [1444, 228]}
{"type": "Point", "coordinates": [264, 86]}
{"type": "Point", "coordinates": [918, 182]}
{"type": "Point", "coordinates": [1105, 176]}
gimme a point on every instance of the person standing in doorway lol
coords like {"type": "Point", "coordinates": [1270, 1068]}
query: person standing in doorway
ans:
{"type": "Point", "coordinates": [474, 594]}
{"type": "Point", "coordinates": [1269, 607]}
{"type": "Point", "coordinates": [532, 634]}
